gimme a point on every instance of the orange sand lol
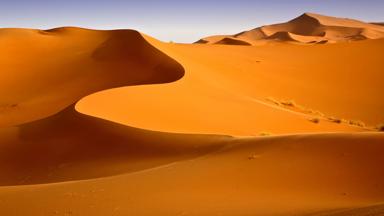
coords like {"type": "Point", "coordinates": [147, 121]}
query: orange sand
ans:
{"type": "Point", "coordinates": [69, 148]}
{"type": "Point", "coordinates": [308, 28]}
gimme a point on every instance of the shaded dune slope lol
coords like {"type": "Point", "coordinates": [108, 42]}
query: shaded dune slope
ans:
{"type": "Point", "coordinates": [231, 41]}
{"type": "Point", "coordinates": [379, 23]}
{"type": "Point", "coordinates": [57, 67]}
{"type": "Point", "coordinates": [287, 36]}
{"type": "Point", "coordinates": [73, 146]}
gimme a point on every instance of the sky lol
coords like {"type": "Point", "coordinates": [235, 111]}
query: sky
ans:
{"type": "Point", "coordinates": [178, 21]}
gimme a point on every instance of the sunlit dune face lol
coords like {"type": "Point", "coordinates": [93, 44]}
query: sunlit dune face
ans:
{"type": "Point", "coordinates": [225, 89]}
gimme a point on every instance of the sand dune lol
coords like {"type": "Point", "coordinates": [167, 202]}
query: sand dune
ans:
{"type": "Point", "coordinates": [362, 211]}
{"type": "Point", "coordinates": [55, 68]}
{"type": "Point", "coordinates": [378, 23]}
{"type": "Point", "coordinates": [228, 85]}
{"type": "Point", "coordinates": [72, 146]}
{"type": "Point", "coordinates": [232, 41]}
{"type": "Point", "coordinates": [69, 148]}
{"type": "Point", "coordinates": [287, 36]}
{"type": "Point", "coordinates": [288, 175]}
{"type": "Point", "coordinates": [309, 28]}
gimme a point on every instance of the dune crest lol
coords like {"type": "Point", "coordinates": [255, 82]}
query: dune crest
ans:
{"type": "Point", "coordinates": [71, 146]}
{"type": "Point", "coordinates": [309, 28]}
{"type": "Point", "coordinates": [232, 41]}
{"type": "Point", "coordinates": [244, 76]}
{"type": "Point", "coordinates": [57, 67]}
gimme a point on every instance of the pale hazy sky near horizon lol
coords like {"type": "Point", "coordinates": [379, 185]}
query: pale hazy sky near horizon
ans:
{"type": "Point", "coordinates": [179, 21]}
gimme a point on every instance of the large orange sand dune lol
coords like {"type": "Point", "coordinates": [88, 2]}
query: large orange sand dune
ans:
{"type": "Point", "coordinates": [225, 90]}
{"type": "Point", "coordinates": [59, 156]}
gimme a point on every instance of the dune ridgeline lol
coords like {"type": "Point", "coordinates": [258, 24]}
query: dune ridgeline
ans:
{"type": "Point", "coordinates": [115, 122]}
{"type": "Point", "coordinates": [308, 28]}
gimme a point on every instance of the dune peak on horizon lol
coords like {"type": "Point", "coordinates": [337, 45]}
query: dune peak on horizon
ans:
{"type": "Point", "coordinates": [308, 28]}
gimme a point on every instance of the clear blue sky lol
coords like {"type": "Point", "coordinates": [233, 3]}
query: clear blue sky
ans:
{"type": "Point", "coordinates": [180, 21]}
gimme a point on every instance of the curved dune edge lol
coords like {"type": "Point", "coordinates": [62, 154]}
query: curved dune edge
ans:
{"type": "Point", "coordinates": [297, 173]}
{"type": "Point", "coordinates": [230, 85]}
{"type": "Point", "coordinates": [68, 63]}
{"type": "Point", "coordinates": [77, 146]}
{"type": "Point", "coordinates": [73, 146]}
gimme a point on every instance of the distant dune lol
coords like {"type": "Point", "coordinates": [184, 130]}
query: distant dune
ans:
{"type": "Point", "coordinates": [307, 28]}
{"type": "Point", "coordinates": [232, 41]}
{"type": "Point", "coordinates": [378, 23]}
{"type": "Point", "coordinates": [118, 123]}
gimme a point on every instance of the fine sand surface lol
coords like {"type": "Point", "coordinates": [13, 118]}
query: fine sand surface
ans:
{"type": "Point", "coordinates": [230, 85]}
{"type": "Point", "coordinates": [190, 143]}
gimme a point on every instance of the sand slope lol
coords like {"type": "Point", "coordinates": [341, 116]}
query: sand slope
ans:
{"type": "Point", "coordinates": [58, 158]}
{"type": "Point", "coordinates": [72, 146]}
{"type": "Point", "coordinates": [232, 41]}
{"type": "Point", "coordinates": [289, 175]}
{"type": "Point", "coordinates": [225, 88]}
{"type": "Point", "coordinates": [378, 23]}
{"type": "Point", "coordinates": [57, 67]}
{"type": "Point", "coordinates": [308, 28]}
